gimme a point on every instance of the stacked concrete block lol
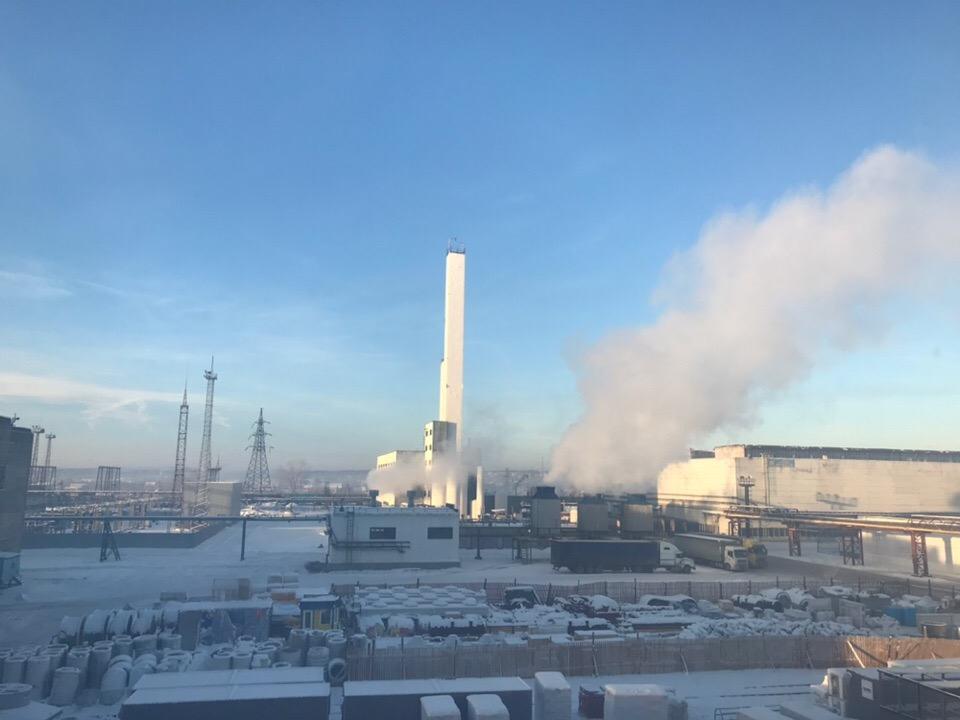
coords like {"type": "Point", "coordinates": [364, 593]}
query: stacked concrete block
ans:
{"type": "Point", "coordinates": [439, 707]}
{"type": "Point", "coordinates": [486, 707]}
{"type": "Point", "coordinates": [628, 702]}
{"type": "Point", "coordinates": [551, 696]}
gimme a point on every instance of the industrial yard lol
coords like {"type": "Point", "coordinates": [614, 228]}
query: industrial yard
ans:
{"type": "Point", "coordinates": [479, 361]}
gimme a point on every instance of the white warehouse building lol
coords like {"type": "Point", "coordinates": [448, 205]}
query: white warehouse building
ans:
{"type": "Point", "coordinates": [695, 494]}
{"type": "Point", "coordinates": [367, 537]}
{"type": "Point", "coordinates": [825, 479]}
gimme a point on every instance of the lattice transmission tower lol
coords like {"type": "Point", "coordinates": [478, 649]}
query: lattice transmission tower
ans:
{"type": "Point", "coordinates": [180, 463]}
{"type": "Point", "coordinates": [258, 472]}
{"type": "Point", "coordinates": [35, 476]}
{"type": "Point", "coordinates": [49, 474]}
{"type": "Point", "coordinates": [203, 472]}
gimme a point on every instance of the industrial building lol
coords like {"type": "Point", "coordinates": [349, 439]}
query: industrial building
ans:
{"type": "Point", "coordinates": [861, 480]}
{"type": "Point", "coordinates": [698, 493]}
{"type": "Point", "coordinates": [363, 537]}
{"type": "Point", "coordinates": [16, 445]}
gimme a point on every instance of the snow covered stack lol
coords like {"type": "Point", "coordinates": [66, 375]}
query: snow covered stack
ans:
{"type": "Point", "coordinates": [438, 707]}
{"type": "Point", "coordinates": [631, 702]}
{"type": "Point", "coordinates": [487, 707]}
{"type": "Point", "coordinates": [551, 696]}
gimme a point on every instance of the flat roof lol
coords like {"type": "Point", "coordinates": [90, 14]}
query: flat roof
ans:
{"type": "Point", "coordinates": [419, 509]}
{"type": "Point", "coordinates": [279, 676]}
{"type": "Point", "coordinates": [818, 452]}
{"type": "Point", "coordinates": [223, 693]}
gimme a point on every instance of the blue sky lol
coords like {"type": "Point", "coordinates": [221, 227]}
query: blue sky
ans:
{"type": "Point", "coordinates": [276, 184]}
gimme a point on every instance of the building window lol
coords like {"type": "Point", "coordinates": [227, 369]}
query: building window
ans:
{"type": "Point", "coordinates": [439, 533]}
{"type": "Point", "coordinates": [383, 533]}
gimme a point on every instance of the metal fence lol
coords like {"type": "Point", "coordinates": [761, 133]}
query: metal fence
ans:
{"type": "Point", "coordinates": [640, 656]}
{"type": "Point", "coordinates": [632, 591]}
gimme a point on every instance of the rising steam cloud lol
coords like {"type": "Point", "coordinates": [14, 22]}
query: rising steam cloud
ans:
{"type": "Point", "coordinates": [751, 305]}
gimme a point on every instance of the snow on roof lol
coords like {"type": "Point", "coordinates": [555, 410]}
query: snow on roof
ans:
{"type": "Point", "coordinates": [255, 604]}
{"type": "Point", "coordinates": [416, 510]}
{"type": "Point", "coordinates": [220, 693]}
{"type": "Point", "coordinates": [365, 688]}
{"type": "Point", "coordinates": [279, 676]}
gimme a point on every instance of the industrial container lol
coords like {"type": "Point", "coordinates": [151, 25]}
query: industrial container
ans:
{"type": "Point", "coordinates": [593, 517]}
{"type": "Point", "coordinates": [545, 509]}
{"type": "Point", "coordinates": [636, 520]}
{"type": "Point", "coordinates": [615, 554]}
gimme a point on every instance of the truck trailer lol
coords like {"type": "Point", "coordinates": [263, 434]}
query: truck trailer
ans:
{"type": "Point", "coordinates": [716, 550]}
{"type": "Point", "coordinates": [618, 555]}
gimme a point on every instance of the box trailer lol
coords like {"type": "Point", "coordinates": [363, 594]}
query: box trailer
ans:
{"type": "Point", "coordinates": [616, 554]}
{"type": "Point", "coordinates": [715, 550]}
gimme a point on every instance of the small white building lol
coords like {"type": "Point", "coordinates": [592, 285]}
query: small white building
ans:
{"type": "Point", "coordinates": [367, 537]}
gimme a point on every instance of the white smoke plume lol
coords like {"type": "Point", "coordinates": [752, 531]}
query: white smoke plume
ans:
{"type": "Point", "coordinates": [398, 479]}
{"type": "Point", "coordinates": [749, 308]}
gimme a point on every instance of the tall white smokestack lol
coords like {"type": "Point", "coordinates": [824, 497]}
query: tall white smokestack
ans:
{"type": "Point", "coordinates": [451, 367]}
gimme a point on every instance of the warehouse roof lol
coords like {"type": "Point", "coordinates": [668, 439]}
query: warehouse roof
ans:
{"type": "Point", "coordinates": [836, 453]}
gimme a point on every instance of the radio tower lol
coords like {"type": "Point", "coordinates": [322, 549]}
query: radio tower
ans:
{"type": "Point", "coordinates": [258, 472]}
{"type": "Point", "coordinates": [180, 464]}
{"type": "Point", "coordinates": [203, 473]}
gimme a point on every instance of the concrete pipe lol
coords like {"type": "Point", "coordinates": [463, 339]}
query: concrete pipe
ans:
{"type": "Point", "coordinates": [292, 656]}
{"type": "Point", "coordinates": [120, 621]}
{"type": "Point", "coordinates": [298, 638]}
{"type": "Point", "coordinates": [70, 627]}
{"type": "Point", "coordinates": [169, 641]}
{"type": "Point", "coordinates": [66, 683]}
{"type": "Point", "coordinates": [14, 695]}
{"type": "Point", "coordinates": [99, 662]}
{"type": "Point", "coordinates": [318, 657]}
{"type": "Point", "coordinates": [178, 659]}
{"type": "Point", "coordinates": [94, 626]}
{"type": "Point", "coordinates": [119, 659]}
{"type": "Point", "coordinates": [220, 659]}
{"type": "Point", "coordinates": [269, 649]}
{"type": "Point", "coordinates": [315, 638]}
{"type": "Point", "coordinates": [57, 653]}
{"type": "Point", "coordinates": [259, 660]}
{"type": "Point", "coordinates": [122, 645]}
{"type": "Point", "coordinates": [241, 660]}
{"type": "Point", "coordinates": [79, 658]}
{"type": "Point", "coordinates": [113, 687]}
{"type": "Point", "coordinates": [337, 671]}
{"type": "Point", "coordinates": [140, 669]}
{"type": "Point", "coordinates": [38, 675]}
{"type": "Point", "coordinates": [337, 644]}
{"type": "Point", "coordinates": [14, 667]}
{"type": "Point", "coordinates": [143, 644]}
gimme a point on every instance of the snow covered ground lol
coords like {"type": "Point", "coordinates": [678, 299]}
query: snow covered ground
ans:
{"type": "Point", "coordinates": [72, 581]}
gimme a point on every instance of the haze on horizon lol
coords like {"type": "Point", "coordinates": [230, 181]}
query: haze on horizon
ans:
{"type": "Point", "coordinates": [278, 188]}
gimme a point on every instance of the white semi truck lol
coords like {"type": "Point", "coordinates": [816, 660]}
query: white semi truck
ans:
{"type": "Point", "coordinates": [715, 550]}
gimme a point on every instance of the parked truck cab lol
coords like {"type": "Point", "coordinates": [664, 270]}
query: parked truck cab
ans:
{"type": "Point", "coordinates": [735, 558]}
{"type": "Point", "coordinates": [674, 560]}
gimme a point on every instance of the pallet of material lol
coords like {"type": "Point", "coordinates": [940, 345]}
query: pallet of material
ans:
{"type": "Point", "coordinates": [294, 701]}
{"type": "Point", "coordinates": [400, 699]}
